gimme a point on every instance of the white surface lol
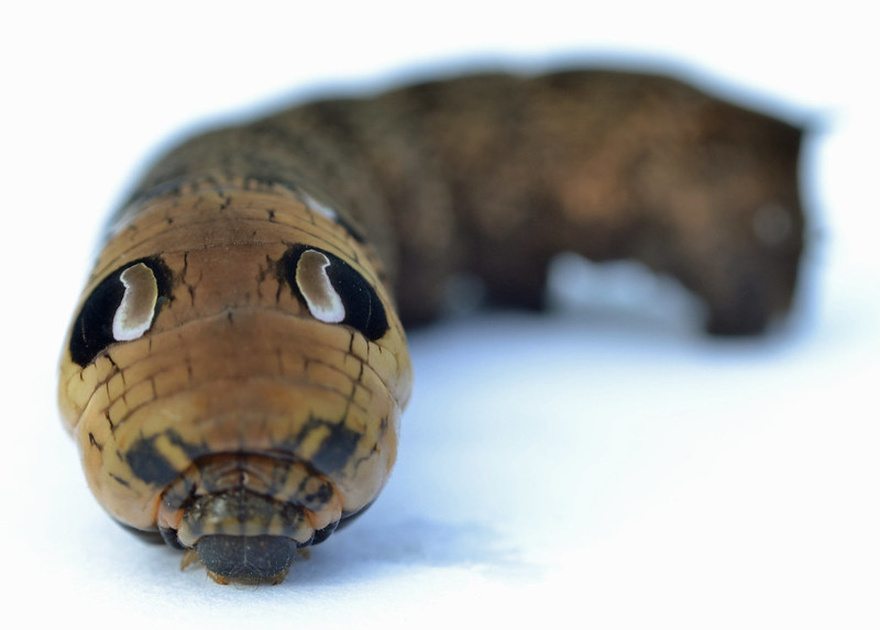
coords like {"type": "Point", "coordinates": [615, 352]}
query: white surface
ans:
{"type": "Point", "coordinates": [602, 468]}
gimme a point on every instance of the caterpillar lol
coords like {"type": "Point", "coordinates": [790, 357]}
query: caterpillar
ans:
{"type": "Point", "coordinates": [236, 369]}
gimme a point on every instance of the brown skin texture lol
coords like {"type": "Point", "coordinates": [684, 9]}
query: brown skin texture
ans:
{"type": "Point", "coordinates": [496, 174]}
{"type": "Point", "coordinates": [241, 420]}
{"type": "Point", "coordinates": [237, 414]}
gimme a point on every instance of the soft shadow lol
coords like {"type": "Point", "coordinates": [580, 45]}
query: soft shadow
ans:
{"type": "Point", "coordinates": [373, 547]}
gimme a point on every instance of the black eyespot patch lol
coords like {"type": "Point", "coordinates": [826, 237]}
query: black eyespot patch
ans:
{"type": "Point", "coordinates": [103, 320]}
{"type": "Point", "coordinates": [333, 290]}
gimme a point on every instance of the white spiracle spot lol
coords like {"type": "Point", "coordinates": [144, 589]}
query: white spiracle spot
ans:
{"type": "Point", "coordinates": [321, 208]}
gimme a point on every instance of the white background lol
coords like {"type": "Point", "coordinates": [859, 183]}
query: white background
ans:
{"type": "Point", "coordinates": [604, 466]}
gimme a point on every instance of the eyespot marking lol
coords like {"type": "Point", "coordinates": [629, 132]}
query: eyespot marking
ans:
{"type": "Point", "coordinates": [122, 307]}
{"type": "Point", "coordinates": [314, 284]}
{"type": "Point", "coordinates": [334, 291]}
{"type": "Point", "coordinates": [138, 306]}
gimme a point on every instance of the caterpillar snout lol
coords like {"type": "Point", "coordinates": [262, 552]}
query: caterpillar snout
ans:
{"type": "Point", "coordinates": [246, 515]}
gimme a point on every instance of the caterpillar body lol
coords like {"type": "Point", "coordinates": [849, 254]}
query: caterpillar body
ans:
{"type": "Point", "coordinates": [237, 366]}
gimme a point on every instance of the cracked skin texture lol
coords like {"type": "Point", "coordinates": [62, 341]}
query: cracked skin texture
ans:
{"type": "Point", "coordinates": [237, 394]}
{"type": "Point", "coordinates": [233, 364]}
